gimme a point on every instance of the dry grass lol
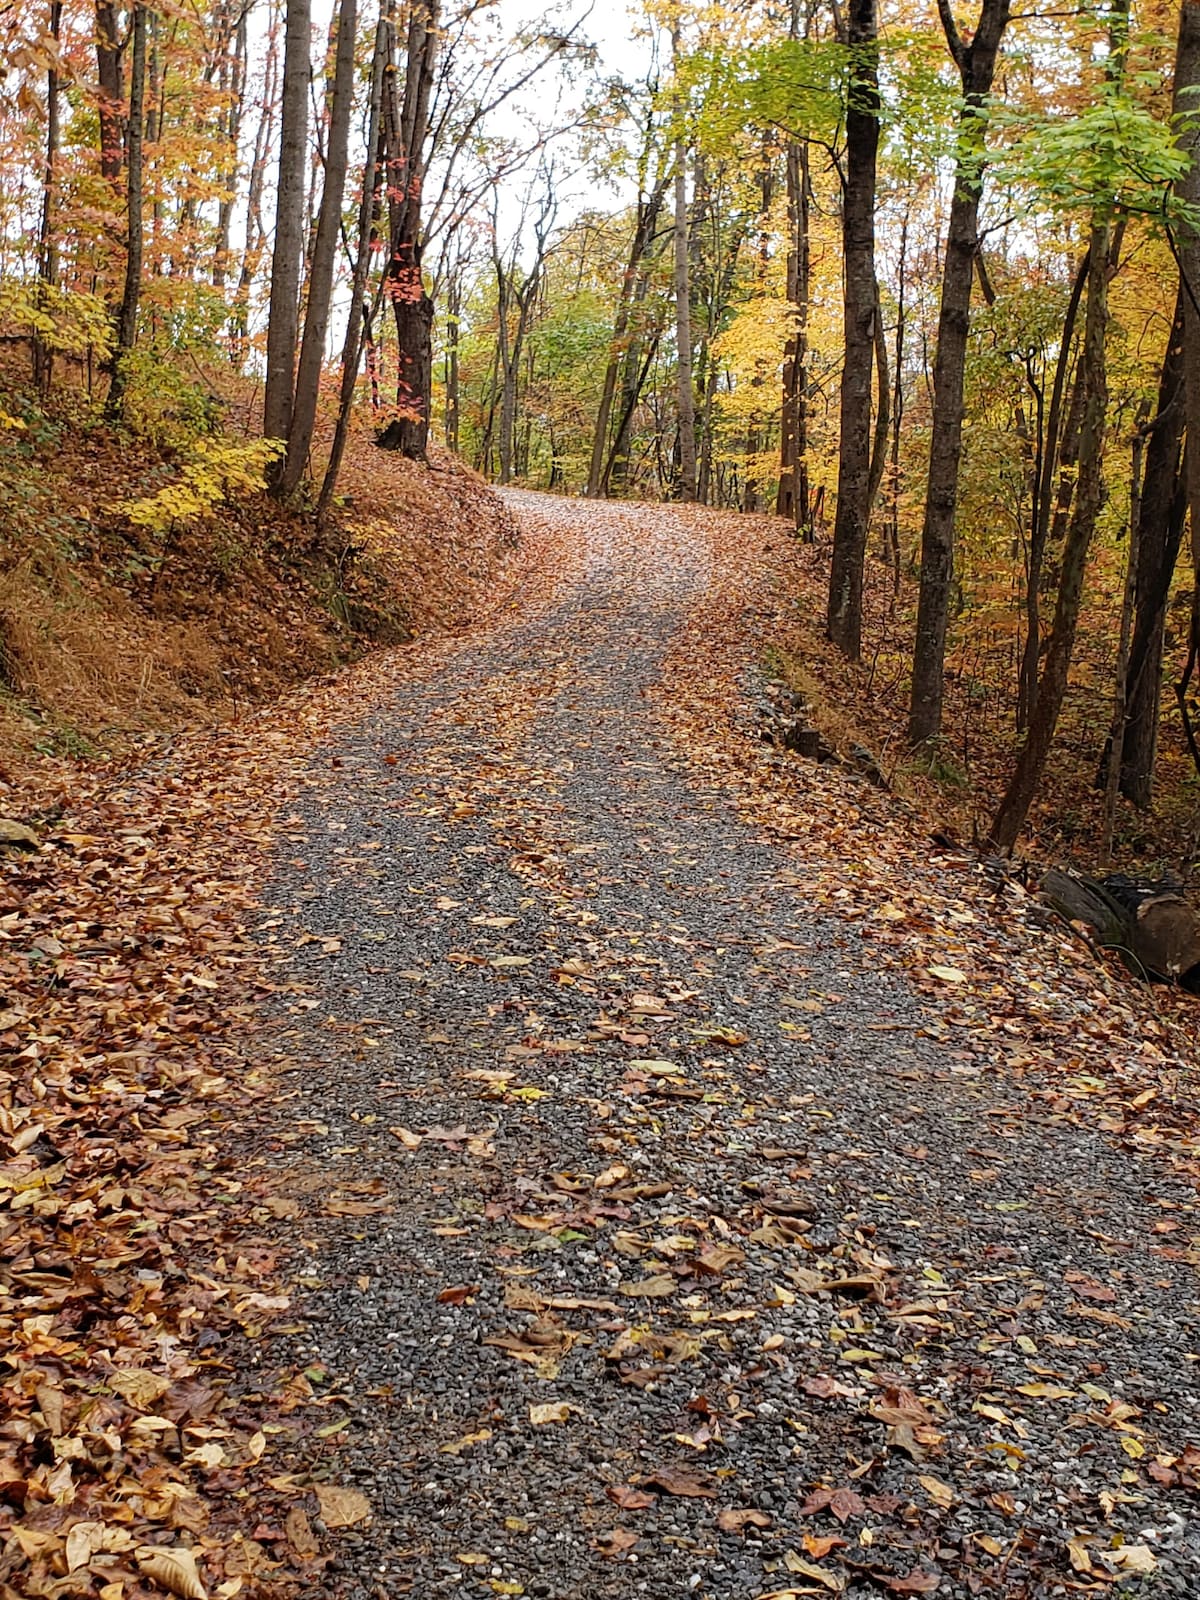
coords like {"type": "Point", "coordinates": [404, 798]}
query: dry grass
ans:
{"type": "Point", "coordinates": [111, 638]}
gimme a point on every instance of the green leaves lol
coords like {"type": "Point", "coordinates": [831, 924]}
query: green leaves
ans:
{"type": "Point", "coordinates": [1115, 154]}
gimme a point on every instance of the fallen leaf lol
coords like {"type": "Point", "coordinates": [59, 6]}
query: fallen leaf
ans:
{"type": "Point", "coordinates": [680, 1481]}
{"type": "Point", "coordinates": [300, 1534]}
{"type": "Point", "coordinates": [628, 1497]}
{"type": "Point", "coordinates": [552, 1411]}
{"type": "Point", "coordinates": [341, 1508]}
{"type": "Point", "coordinates": [657, 1287]}
{"type": "Point", "coordinates": [173, 1568]}
{"type": "Point", "coordinates": [940, 1493]}
{"type": "Point", "coordinates": [833, 1581]}
{"type": "Point", "coordinates": [737, 1521]}
{"type": "Point", "coordinates": [615, 1542]}
{"type": "Point", "coordinates": [918, 1581]}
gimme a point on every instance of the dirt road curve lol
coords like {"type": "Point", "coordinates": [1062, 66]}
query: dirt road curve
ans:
{"type": "Point", "coordinates": [653, 1241]}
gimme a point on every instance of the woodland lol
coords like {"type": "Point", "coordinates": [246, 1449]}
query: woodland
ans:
{"type": "Point", "coordinates": [916, 279]}
{"type": "Point", "coordinates": [564, 571]}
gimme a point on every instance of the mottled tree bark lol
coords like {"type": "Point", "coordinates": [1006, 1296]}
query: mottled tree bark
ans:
{"type": "Point", "coordinates": [844, 618]}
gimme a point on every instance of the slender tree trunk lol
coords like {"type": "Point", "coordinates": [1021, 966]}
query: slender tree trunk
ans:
{"type": "Point", "coordinates": [283, 319]}
{"type": "Point", "coordinates": [329, 225]}
{"type": "Point", "coordinates": [126, 327]}
{"type": "Point", "coordinates": [1052, 688]}
{"type": "Point", "coordinates": [1116, 738]}
{"type": "Point", "coordinates": [1040, 513]}
{"type": "Point", "coordinates": [367, 209]}
{"type": "Point", "coordinates": [649, 208]}
{"type": "Point", "coordinates": [1187, 113]}
{"type": "Point", "coordinates": [233, 129]}
{"type": "Point", "coordinates": [111, 97]}
{"type": "Point", "coordinates": [1162, 514]}
{"type": "Point", "coordinates": [844, 618]}
{"type": "Point", "coordinates": [453, 375]}
{"type": "Point", "coordinates": [255, 235]}
{"type": "Point", "coordinates": [683, 302]}
{"type": "Point", "coordinates": [789, 502]}
{"type": "Point", "coordinates": [412, 307]}
{"type": "Point", "coordinates": [892, 533]}
{"type": "Point", "coordinates": [883, 410]}
{"type": "Point", "coordinates": [976, 63]}
{"type": "Point", "coordinates": [48, 253]}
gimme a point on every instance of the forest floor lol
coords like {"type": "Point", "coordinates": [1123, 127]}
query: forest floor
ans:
{"type": "Point", "coordinates": [494, 1125]}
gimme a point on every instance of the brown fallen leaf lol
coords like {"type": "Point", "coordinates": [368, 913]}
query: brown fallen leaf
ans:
{"type": "Point", "coordinates": [630, 1498]}
{"type": "Point", "coordinates": [737, 1521]}
{"type": "Point", "coordinates": [615, 1542]}
{"type": "Point", "coordinates": [841, 1503]}
{"type": "Point", "coordinates": [457, 1294]}
{"type": "Point", "coordinates": [657, 1287]}
{"type": "Point", "coordinates": [300, 1534]}
{"type": "Point", "coordinates": [683, 1482]}
{"type": "Point", "coordinates": [825, 1387]}
{"type": "Point", "coordinates": [341, 1508]}
{"type": "Point", "coordinates": [820, 1544]}
{"type": "Point", "coordinates": [918, 1581]}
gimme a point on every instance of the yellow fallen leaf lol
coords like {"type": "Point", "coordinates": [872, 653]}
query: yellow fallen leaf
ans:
{"type": "Point", "coordinates": [800, 1565]}
{"type": "Point", "coordinates": [552, 1411]}
{"type": "Point", "coordinates": [1133, 1557]}
{"type": "Point", "coordinates": [947, 974]}
{"type": "Point", "coordinates": [940, 1493]}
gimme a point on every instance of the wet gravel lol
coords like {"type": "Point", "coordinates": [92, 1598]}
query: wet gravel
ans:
{"type": "Point", "coordinates": [512, 921]}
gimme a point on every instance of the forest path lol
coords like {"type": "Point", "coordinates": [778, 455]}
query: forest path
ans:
{"type": "Point", "coordinates": [583, 1101]}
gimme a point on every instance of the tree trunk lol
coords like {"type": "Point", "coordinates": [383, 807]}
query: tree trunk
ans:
{"type": "Point", "coordinates": [1116, 738]}
{"type": "Point", "coordinates": [683, 306]}
{"type": "Point", "coordinates": [47, 235]}
{"type": "Point", "coordinates": [320, 286]}
{"type": "Point", "coordinates": [1187, 114]}
{"type": "Point", "coordinates": [976, 64]}
{"type": "Point", "coordinates": [844, 618]}
{"type": "Point", "coordinates": [368, 208]}
{"type": "Point", "coordinates": [235, 89]}
{"type": "Point", "coordinates": [1160, 531]}
{"type": "Point", "coordinates": [111, 97]}
{"type": "Point", "coordinates": [883, 410]}
{"type": "Point", "coordinates": [1089, 496]}
{"type": "Point", "coordinates": [412, 308]}
{"type": "Point", "coordinates": [649, 209]}
{"type": "Point", "coordinates": [1040, 513]}
{"type": "Point", "coordinates": [283, 318]}
{"type": "Point", "coordinates": [255, 235]}
{"type": "Point", "coordinates": [892, 530]}
{"type": "Point", "coordinates": [126, 328]}
{"type": "Point", "coordinates": [453, 376]}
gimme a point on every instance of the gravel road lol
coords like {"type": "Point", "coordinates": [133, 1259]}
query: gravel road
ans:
{"type": "Point", "coordinates": [650, 1240]}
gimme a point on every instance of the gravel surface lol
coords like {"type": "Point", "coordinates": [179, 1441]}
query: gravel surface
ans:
{"type": "Point", "coordinates": [581, 1108]}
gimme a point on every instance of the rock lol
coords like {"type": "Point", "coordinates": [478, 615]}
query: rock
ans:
{"type": "Point", "coordinates": [16, 836]}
